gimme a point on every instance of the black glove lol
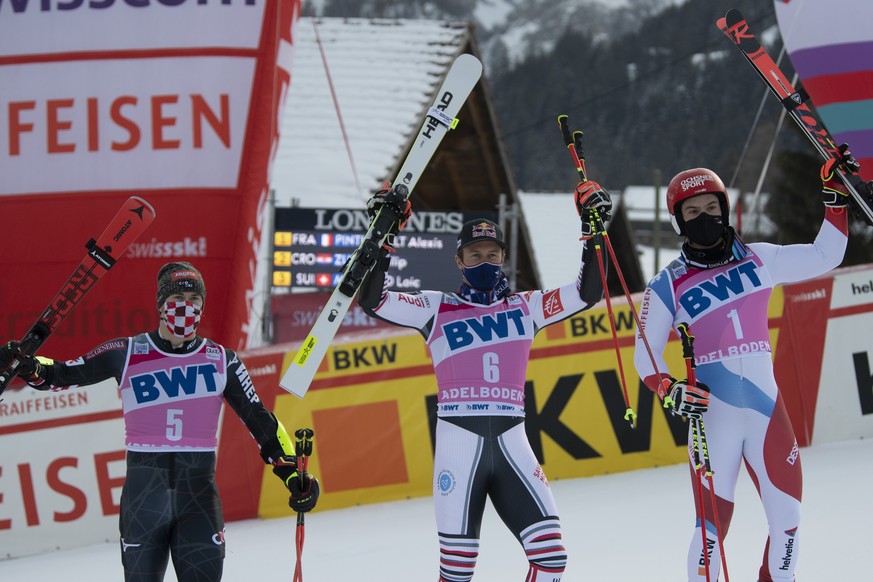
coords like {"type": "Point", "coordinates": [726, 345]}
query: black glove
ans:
{"type": "Point", "coordinates": [834, 193]}
{"type": "Point", "coordinates": [591, 196]}
{"type": "Point", "coordinates": [7, 354]}
{"type": "Point", "coordinates": [373, 285]}
{"type": "Point", "coordinates": [28, 367]}
{"type": "Point", "coordinates": [689, 400]}
{"type": "Point", "coordinates": [304, 495]}
{"type": "Point", "coordinates": [398, 203]}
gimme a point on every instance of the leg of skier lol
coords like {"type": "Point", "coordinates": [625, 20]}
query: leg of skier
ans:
{"type": "Point", "coordinates": [524, 501]}
{"type": "Point", "coordinates": [146, 519]}
{"type": "Point", "coordinates": [459, 493]}
{"type": "Point", "coordinates": [773, 459]}
{"type": "Point", "coordinates": [197, 540]}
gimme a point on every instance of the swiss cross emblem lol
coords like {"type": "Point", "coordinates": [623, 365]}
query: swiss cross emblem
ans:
{"type": "Point", "coordinates": [552, 303]}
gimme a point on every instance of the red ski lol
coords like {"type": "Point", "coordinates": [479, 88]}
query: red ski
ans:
{"type": "Point", "coordinates": [134, 216]}
{"type": "Point", "coordinates": [735, 27]}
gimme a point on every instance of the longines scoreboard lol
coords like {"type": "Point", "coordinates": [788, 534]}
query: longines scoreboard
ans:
{"type": "Point", "coordinates": [310, 247]}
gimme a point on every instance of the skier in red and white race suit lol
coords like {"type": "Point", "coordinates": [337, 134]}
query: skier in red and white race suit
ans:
{"type": "Point", "coordinates": [721, 286]}
{"type": "Point", "coordinates": [172, 385]}
{"type": "Point", "coordinates": [479, 339]}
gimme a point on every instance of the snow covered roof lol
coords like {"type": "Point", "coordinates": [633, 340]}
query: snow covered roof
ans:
{"type": "Point", "coordinates": [384, 74]}
{"type": "Point", "coordinates": [554, 229]}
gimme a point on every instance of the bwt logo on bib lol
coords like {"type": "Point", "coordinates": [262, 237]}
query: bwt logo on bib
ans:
{"type": "Point", "coordinates": [720, 288]}
{"type": "Point", "coordinates": [502, 325]}
{"type": "Point", "coordinates": [174, 382]}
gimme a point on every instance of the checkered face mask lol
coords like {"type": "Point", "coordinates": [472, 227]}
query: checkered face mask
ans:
{"type": "Point", "coordinates": [182, 317]}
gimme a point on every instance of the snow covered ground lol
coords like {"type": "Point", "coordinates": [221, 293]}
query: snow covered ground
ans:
{"type": "Point", "coordinates": [624, 527]}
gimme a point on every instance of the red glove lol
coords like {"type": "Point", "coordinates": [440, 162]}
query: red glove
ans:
{"type": "Point", "coordinates": [834, 193]}
{"type": "Point", "coordinates": [591, 196]}
{"type": "Point", "coordinates": [689, 400]}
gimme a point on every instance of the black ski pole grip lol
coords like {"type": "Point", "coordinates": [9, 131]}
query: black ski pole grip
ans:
{"type": "Point", "coordinates": [565, 130]}
{"type": "Point", "coordinates": [687, 340]}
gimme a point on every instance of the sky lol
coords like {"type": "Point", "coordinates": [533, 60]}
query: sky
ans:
{"type": "Point", "coordinates": [627, 527]}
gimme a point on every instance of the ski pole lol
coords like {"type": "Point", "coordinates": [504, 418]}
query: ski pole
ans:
{"type": "Point", "coordinates": [574, 145]}
{"type": "Point", "coordinates": [629, 414]}
{"type": "Point", "coordinates": [702, 468]}
{"type": "Point", "coordinates": [573, 142]}
{"type": "Point", "coordinates": [688, 355]}
{"type": "Point", "coordinates": [695, 448]}
{"type": "Point", "coordinates": [704, 448]}
{"type": "Point", "coordinates": [303, 450]}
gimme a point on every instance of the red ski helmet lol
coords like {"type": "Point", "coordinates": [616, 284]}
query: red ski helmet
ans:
{"type": "Point", "coordinates": [690, 183]}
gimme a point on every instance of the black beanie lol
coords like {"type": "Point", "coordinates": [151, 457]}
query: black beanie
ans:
{"type": "Point", "coordinates": [179, 278]}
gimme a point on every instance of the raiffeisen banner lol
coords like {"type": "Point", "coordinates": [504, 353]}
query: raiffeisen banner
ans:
{"type": "Point", "coordinates": [833, 55]}
{"type": "Point", "coordinates": [172, 100]}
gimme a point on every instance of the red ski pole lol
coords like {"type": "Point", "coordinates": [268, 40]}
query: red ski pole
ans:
{"type": "Point", "coordinates": [629, 414]}
{"type": "Point", "coordinates": [303, 449]}
{"type": "Point", "coordinates": [573, 142]}
{"type": "Point", "coordinates": [701, 455]}
{"type": "Point", "coordinates": [574, 145]}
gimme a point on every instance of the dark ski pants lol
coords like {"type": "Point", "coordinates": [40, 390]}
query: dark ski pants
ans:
{"type": "Point", "coordinates": [170, 508]}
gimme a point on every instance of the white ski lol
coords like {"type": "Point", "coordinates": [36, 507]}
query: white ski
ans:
{"type": "Point", "coordinates": [439, 119]}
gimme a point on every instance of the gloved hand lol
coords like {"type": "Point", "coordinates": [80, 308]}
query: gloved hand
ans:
{"type": "Point", "coordinates": [834, 193]}
{"type": "Point", "coordinates": [401, 206]}
{"type": "Point", "coordinates": [304, 495]}
{"type": "Point", "coordinates": [689, 400]}
{"type": "Point", "coordinates": [28, 366]}
{"type": "Point", "coordinates": [373, 285]}
{"type": "Point", "coordinates": [591, 196]}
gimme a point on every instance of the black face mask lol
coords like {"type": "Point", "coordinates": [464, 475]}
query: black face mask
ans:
{"type": "Point", "coordinates": [705, 229]}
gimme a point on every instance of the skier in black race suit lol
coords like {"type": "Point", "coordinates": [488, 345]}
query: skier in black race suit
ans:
{"type": "Point", "coordinates": [172, 384]}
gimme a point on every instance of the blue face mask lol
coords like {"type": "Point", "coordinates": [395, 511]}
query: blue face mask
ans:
{"type": "Point", "coordinates": [483, 276]}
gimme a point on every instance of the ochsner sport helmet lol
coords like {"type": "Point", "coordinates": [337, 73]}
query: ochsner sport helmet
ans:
{"type": "Point", "coordinates": [690, 183]}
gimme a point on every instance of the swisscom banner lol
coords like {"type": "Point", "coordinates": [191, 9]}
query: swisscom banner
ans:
{"type": "Point", "coordinates": [172, 100]}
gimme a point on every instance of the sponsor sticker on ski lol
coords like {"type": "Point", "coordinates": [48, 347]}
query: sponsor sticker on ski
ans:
{"type": "Point", "coordinates": [305, 350]}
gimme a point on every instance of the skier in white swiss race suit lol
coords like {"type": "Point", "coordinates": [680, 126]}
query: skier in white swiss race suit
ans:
{"type": "Point", "coordinates": [172, 385]}
{"type": "Point", "coordinates": [479, 339]}
{"type": "Point", "coordinates": [720, 286]}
